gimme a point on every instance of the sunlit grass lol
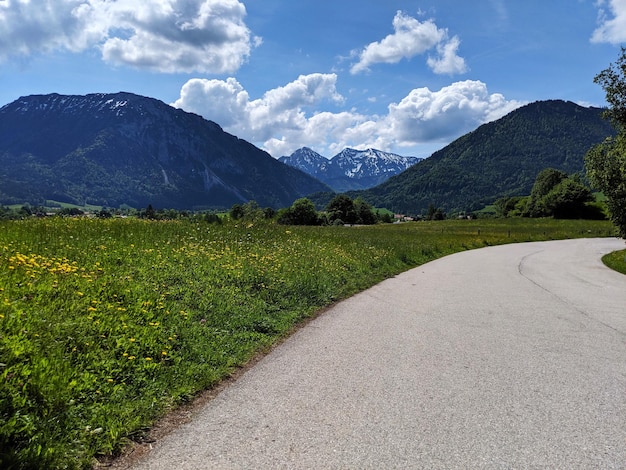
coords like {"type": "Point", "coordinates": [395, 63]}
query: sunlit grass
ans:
{"type": "Point", "coordinates": [107, 324]}
{"type": "Point", "coordinates": [616, 261]}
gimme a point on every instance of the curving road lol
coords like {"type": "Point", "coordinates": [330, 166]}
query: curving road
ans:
{"type": "Point", "coordinates": [504, 357]}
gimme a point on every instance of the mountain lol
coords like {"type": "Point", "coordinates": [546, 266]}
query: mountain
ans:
{"type": "Point", "coordinates": [309, 161]}
{"type": "Point", "coordinates": [114, 149]}
{"type": "Point", "coordinates": [350, 169]}
{"type": "Point", "coordinates": [501, 158]}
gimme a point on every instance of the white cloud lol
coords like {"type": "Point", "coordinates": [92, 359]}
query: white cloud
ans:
{"type": "Point", "coordinates": [159, 35]}
{"type": "Point", "coordinates": [279, 121]}
{"type": "Point", "coordinates": [425, 115]}
{"type": "Point", "coordinates": [225, 102]}
{"type": "Point", "coordinates": [279, 110]}
{"type": "Point", "coordinates": [611, 30]}
{"type": "Point", "coordinates": [411, 38]}
{"type": "Point", "coordinates": [448, 61]}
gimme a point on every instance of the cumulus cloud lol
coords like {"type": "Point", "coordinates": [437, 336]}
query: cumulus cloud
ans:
{"type": "Point", "coordinates": [425, 115]}
{"type": "Point", "coordinates": [159, 35]}
{"type": "Point", "coordinates": [612, 27]}
{"type": "Point", "coordinates": [279, 121]}
{"type": "Point", "coordinates": [279, 110]}
{"type": "Point", "coordinates": [448, 61]}
{"type": "Point", "coordinates": [412, 37]}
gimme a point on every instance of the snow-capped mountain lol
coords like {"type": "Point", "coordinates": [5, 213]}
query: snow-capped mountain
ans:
{"type": "Point", "coordinates": [350, 169]}
{"type": "Point", "coordinates": [308, 161]}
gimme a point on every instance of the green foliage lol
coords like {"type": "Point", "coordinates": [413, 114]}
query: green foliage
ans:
{"type": "Point", "coordinates": [6, 213]}
{"type": "Point", "coordinates": [568, 199]}
{"type": "Point", "coordinates": [342, 208]}
{"type": "Point", "coordinates": [514, 206]}
{"type": "Point", "coordinates": [384, 216]}
{"type": "Point", "coordinates": [606, 169]}
{"type": "Point", "coordinates": [212, 218]}
{"type": "Point", "coordinates": [250, 211]}
{"type": "Point", "coordinates": [545, 182]}
{"type": "Point", "coordinates": [149, 213]}
{"type": "Point", "coordinates": [301, 212]}
{"type": "Point", "coordinates": [236, 212]}
{"type": "Point", "coordinates": [364, 212]}
{"type": "Point", "coordinates": [104, 214]}
{"type": "Point", "coordinates": [606, 162]}
{"type": "Point", "coordinates": [435, 213]}
{"type": "Point", "coordinates": [106, 324]}
{"type": "Point", "coordinates": [555, 194]}
{"type": "Point", "coordinates": [613, 82]}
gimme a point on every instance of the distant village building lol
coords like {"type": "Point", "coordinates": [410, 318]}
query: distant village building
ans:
{"type": "Point", "coordinates": [403, 218]}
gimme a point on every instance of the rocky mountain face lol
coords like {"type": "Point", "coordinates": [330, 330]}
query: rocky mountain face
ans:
{"type": "Point", "coordinates": [350, 169]}
{"type": "Point", "coordinates": [500, 158]}
{"type": "Point", "coordinates": [114, 149]}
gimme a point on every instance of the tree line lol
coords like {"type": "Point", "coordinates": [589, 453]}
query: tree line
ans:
{"type": "Point", "coordinates": [341, 210]}
{"type": "Point", "coordinates": [554, 194]}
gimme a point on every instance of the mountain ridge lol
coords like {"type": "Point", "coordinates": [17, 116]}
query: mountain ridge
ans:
{"type": "Point", "coordinates": [350, 169]}
{"type": "Point", "coordinates": [499, 158]}
{"type": "Point", "coordinates": [120, 148]}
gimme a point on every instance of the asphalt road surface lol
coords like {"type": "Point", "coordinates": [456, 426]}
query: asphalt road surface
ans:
{"type": "Point", "coordinates": [503, 357]}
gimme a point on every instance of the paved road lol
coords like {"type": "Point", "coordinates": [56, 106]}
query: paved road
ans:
{"type": "Point", "coordinates": [504, 357]}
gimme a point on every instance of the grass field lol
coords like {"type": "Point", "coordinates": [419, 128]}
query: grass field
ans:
{"type": "Point", "coordinates": [616, 261]}
{"type": "Point", "coordinates": [105, 325]}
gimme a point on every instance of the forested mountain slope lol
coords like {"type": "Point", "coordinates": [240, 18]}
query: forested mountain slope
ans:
{"type": "Point", "coordinates": [114, 149]}
{"type": "Point", "coordinates": [501, 158]}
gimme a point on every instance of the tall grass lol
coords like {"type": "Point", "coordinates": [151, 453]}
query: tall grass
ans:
{"type": "Point", "coordinates": [107, 324]}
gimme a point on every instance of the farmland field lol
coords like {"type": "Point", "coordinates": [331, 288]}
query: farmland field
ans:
{"type": "Point", "coordinates": [105, 325]}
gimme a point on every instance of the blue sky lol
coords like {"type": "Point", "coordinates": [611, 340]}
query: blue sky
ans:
{"type": "Point", "coordinates": [397, 75]}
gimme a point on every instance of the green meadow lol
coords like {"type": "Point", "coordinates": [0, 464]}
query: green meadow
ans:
{"type": "Point", "coordinates": [105, 325]}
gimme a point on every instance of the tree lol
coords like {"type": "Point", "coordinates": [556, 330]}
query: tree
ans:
{"type": "Point", "coordinates": [343, 210]}
{"type": "Point", "coordinates": [545, 182]}
{"type": "Point", "coordinates": [606, 162]}
{"type": "Point", "coordinates": [212, 218]}
{"type": "Point", "coordinates": [341, 207]}
{"type": "Point", "coordinates": [613, 82]}
{"type": "Point", "coordinates": [606, 169]}
{"type": "Point", "coordinates": [568, 199]}
{"type": "Point", "coordinates": [365, 213]}
{"type": "Point", "coordinates": [559, 195]}
{"type": "Point", "coordinates": [236, 212]}
{"type": "Point", "coordinates": [149, 213]}
{"type": "Point", "coordinates": [510, 206]}
{"type": "Point", "coordinates": [435, 213]}
{"type": "Point", "coordinates": [301, 212]}
{"type": "Point", "coordinates": [104, 214]}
